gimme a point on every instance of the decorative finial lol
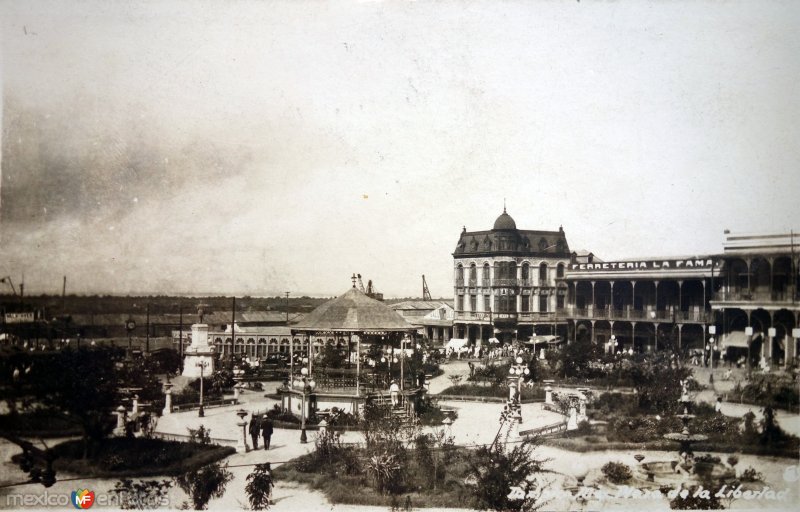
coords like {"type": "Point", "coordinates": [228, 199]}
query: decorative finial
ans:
{"type": "Point", "coordinates": [354, 280]}
{"type": "Point", "coordinates": [504, 205]}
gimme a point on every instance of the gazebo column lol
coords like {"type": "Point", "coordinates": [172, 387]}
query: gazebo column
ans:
{"type": "Point", "coordinates": [358, 363]}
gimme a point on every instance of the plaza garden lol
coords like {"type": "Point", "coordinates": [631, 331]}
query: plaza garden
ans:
{"type": "Point", "coordinates": [61, 410]}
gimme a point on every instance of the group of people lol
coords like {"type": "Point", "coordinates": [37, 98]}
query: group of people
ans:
{"type": "Point", "coordinates": [260, 426]}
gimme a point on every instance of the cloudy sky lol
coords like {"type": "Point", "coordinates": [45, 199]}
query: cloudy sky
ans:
{"type": "Point", "coordinates": [259, 147]}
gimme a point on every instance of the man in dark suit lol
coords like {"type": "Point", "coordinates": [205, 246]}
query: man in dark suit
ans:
{"type": "Point", "coordinates": [255, 430]}
{"type": "Point", "coordinates": [266, 431]}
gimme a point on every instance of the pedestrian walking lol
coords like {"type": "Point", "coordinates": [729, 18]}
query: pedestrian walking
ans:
{"type": "Point", "coordinates": [718, 405]}
{"type": "Point", "coordinates": [266, 431]}
{"type": "Point", "coordinates": [394, 392]}
{"type": "Point", "coordinates": [255, 430]}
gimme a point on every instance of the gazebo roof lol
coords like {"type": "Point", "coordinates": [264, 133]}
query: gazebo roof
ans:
{"type": "Point", "coordinates": [353, 312]}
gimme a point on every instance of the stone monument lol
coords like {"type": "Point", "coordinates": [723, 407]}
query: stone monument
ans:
{"type": "Point", "coordinates": [198, 352]}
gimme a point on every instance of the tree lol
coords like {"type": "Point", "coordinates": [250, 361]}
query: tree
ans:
{"type": "Point", "coordinates": [259, 487]}
{"type": "Point", "coordinates": [332, 356]}
{"type": "Point", "coordinates": [498, 472]}
{"type": "Point", "coordinates": [82, 384]}
{"type": "Point", "coordinates": [576, 357]}
{"type": "Point", "coordinates": [205, 483]}
{"type": "Point", "coordinates": [141, 495]}
{"type": "Point", "coordinates": [657, 382]}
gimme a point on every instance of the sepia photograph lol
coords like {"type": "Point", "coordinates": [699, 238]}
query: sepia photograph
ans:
{"type": "Point", "coordinates": [395, 255]}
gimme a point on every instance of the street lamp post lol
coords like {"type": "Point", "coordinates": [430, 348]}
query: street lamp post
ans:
{"type": "Point", "coordinates": [517, 373]}
{"type": "Point", "coordinates": [238, 374]}
{"type": "Point", "coordinates": [308, 387]}
{"type": "Point", "coordinates": [711, 347]}
{"type": "Point", "coordinates": [130, 325]}
{"type": "Point", "coordinates": [202, 365]}
{"type": "Point", "coordinates": [402, 359]}
{"type": "Point", "coordinates": [613, 344]}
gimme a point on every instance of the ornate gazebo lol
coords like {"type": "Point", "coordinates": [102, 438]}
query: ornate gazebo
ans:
{"type": "Point", "coordinates": [361, 320]}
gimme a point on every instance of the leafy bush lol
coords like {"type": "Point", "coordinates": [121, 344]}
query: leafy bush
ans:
{"type": "Point", "coordinates": [259, 487]}
{"type": "Point", "coordinates": [495, 470]}
{"type": "Point", "coordinates": [617, 472]}
{"type": "Point", "coordinates": [277, 414]}
{"type": "Point", "coordinates": [751, 475]}
{"type": "Point", "coordinates": [199, 435]}
{"type": "Point", "coordinates": [708, 459]}
{"type": "Point", "coordinates": [121, 456]}
{"type": "Point", "coordinates": [206, 483]}
{"type": "Point", "coordinates": [693, 501]}
{"type": "Point", "coordinates": [431, 414]}
{"type": "Point", "coordinates": [143, 494]}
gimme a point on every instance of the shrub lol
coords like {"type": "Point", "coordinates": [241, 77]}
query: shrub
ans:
{"type": "Point", "coordinates": [199, 435]}
{"type": "Point", "coordinates": [495, 470]}
{"type": "Point", "coordinates": [751, 475]}
{"type": "Point", "coordinates": [206, 483]}
{"type": "Point", "coordinates": [707, 458]}
{"type": "Point", "coordinates": [144, 494]}
{"type": "Point", "coordinates": [259, 487]}
{"type": "Point", "coordinates": [306, 463]}
{"type": "Point", "coordinates": [385, 469]}
{"type": "Point", "coordinates": [617, 472]}
{"type": "Point", "coordinates": [277, 414]}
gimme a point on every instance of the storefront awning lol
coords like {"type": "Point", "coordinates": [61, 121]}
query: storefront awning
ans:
{"type": "Point", "coordinates": [456, 343]}
{"type": "Point", "coordinates": [549, 339]}
{"type": "Point", "coordinates": [737, 339]}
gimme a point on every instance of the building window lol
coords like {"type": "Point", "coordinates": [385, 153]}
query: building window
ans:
{"type": "Point", "coordinates": [542, 244]}
{"type": "Point", "coordinates": [560, 301]}
{"type": "Point", "coordinates": [560, 270]}
{"type": "Point", "coordinates": [460, 303]}
{"type": "Point", "coordinates": [505, 304]}
{"type": "Point", "coordinates": [543, 303]}
{"type": "Point", "coordinates": [543, 273]}
{"type": "Point", "coordinates": [473, 275]}
{"type": "Point", "coordinates": [473, 302]}
{"type": "Point", "coordinates": [526, 271]}
{"type": "Point", "coordinates": [487, 303]}
{"type": "Point", "coordinates": [486, 273]}
{"type": "Point", "coordinates": [460, 274]}
{"type": "Point", "coordinates": [526, 303]}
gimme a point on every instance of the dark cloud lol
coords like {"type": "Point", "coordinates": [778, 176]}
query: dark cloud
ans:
{"type": "Point", "coordinates": [71, 163]}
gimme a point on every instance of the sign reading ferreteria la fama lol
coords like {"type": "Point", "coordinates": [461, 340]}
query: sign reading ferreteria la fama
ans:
{"type": "Point", "coordinates": [698, 263]}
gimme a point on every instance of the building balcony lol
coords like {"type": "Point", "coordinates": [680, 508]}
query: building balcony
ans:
{"type": "Point", "coordinates": [636, 315]}
{"type": "Point", "coordinates": [538, 316]}
{"type": "Point", "coordinates": [508, 316]}
{"type": "Point", "coordinates": [761, 296]}
{"type": "Point", "coordinates": [479, 316]}
{"type": "Point", "coordinates": [505, 283]}
{"type": "Point", "coordinates": [526, 283]}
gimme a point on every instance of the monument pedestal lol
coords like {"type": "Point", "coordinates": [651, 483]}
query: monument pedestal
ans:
{"type": "Point", "coordinates": [199, 352]}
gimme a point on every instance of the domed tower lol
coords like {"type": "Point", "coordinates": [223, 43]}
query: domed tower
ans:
{"type": "Point", "coordinates": [504, 222]}
{"type": "Point", "coordinates": [506, 281]}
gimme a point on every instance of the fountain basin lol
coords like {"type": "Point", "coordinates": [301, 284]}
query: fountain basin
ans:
{"type": "Point", "coordinates": [682, 438]}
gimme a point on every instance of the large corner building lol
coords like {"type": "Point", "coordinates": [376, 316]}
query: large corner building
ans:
{"type": "Point", "coordinates": [507, 282]}
{"type": "Point", "coordinates": [743, 303]}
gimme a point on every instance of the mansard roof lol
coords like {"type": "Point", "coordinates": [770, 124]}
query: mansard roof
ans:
{"type": "Point", "coordinates": [516, 242]}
